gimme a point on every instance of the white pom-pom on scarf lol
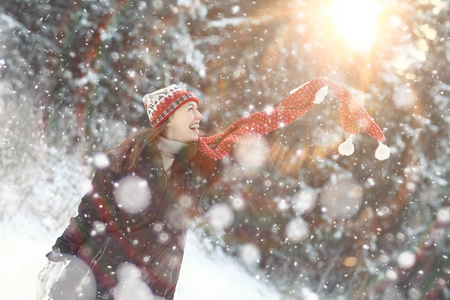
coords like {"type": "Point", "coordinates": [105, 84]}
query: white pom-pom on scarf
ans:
{"type": "Point", "coordinates": [320, 95]}
{"type": "Point", "coordinates": [382, 152]}
{"type": "Point", "coordinates": [346, 148]}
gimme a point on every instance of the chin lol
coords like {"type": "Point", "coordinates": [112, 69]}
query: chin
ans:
{"type": "Point", "coordinates": [193, 138]}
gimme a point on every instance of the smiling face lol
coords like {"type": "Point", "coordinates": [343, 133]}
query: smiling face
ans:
{"type": "Point", "coordinates": [183, 123]}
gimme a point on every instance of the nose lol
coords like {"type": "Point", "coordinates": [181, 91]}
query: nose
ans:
{"type": "Point", "coordinates": [198, 115]}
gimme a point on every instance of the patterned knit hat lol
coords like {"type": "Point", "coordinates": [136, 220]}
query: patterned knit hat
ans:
{"type": "Point", "coordinates": [164, 102]}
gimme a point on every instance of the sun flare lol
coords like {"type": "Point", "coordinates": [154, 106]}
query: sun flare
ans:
{"type": "Point", "coordinates": [357, 22]}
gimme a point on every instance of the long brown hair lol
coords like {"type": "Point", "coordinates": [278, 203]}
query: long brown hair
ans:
{"type": "Point", "coordinates": [126, 155]}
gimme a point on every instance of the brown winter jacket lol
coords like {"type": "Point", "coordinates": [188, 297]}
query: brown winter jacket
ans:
{"type": "Point", "coordinates": [152, 239]}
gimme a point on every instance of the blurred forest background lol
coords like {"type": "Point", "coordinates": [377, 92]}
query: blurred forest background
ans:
{"type": "Point", "coordinates": [73, 73]}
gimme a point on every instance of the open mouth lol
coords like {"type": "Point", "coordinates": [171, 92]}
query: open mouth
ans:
{"type": "Point", "coordinates": [194, 128]}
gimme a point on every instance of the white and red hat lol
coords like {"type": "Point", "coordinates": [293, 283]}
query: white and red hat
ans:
{"type": "Point", "coordinates": [164, 102]}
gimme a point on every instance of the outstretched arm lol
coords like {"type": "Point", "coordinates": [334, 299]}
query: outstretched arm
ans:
{"type": "Point", "coordinates": [94, 207]}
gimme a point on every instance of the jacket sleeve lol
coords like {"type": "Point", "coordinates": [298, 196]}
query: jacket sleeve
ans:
{"type": "Point", "coordinates": [93, 212]}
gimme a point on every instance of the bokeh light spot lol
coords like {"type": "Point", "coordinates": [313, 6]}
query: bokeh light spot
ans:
{"type": "Point", "coordinates": [132, 194]}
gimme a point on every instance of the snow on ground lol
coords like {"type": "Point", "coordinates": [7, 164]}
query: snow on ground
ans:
{"type": "Point", "coordinates": [22, 254]}
{"type": "Point", "coordinates": [214, 275]}
{"type": "Point", "coordinates": [205, 274]}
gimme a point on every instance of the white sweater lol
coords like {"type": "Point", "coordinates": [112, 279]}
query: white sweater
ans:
{"type": "Point", "coordinates": [169, 149]}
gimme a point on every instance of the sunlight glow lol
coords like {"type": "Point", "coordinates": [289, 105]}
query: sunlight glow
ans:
{"type": "Point", "coordinates": [357, 22]}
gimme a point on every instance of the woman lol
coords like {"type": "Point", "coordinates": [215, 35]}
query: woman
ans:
{"type": "Point", "coordinates": [120, 241]}
{"type": "Point", "coordinates": [109, 232]}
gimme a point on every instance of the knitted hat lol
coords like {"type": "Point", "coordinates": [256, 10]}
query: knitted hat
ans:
{"type": "Point", "coordinates": [164, 102]}
{"type": "Point", "coordinates": [248, 129]}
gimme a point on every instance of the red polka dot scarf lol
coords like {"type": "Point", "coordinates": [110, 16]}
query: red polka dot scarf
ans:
{"type": "Point", "coordinates": [249, 129]}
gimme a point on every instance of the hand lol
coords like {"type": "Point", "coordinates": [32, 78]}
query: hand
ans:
{"type": "Point", "coordinates": [47, 277]}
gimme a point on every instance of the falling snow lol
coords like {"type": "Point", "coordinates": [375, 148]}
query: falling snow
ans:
{"type": "Point", "coordinates": [297, 230]}
{"type": "Point", "coordinates": [341, 197]}
{"type": "Point", "coordinates": [297, 214]}
{"type": "Point", "coordinates": [250, 254]}
{"type": "Point", "coordinates": [132, 194]}
{"type": "Point", "coordinates": [406, 260]}
{"type": "Point", "coordinates": [220, 216]}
